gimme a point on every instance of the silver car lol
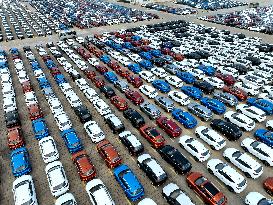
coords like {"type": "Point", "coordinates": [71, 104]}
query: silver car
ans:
{"type": "Point", "coordinates": [166, 103]}
{"type": "Point", "coordinates": [200, 111]}
{"type": "Point", "coordinates": [121, 85]}
{"type": "Point", "coordinates": [151, 110]}
{"type": "Point", "coordinates": [226, 98]}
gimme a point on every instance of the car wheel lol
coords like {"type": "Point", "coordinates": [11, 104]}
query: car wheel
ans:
{"type": "Point", "coordinates": [227, 159]}
{"type": "Point", "coordinates": [269, 192]}
{"type": "Point", "coordinates": [247, 175]}
{"type": "Point", "coordinates": [230, 189]}
{"type": "Point", "coordinates": [212, 147]}
{"type": "Point", "coordinates": [210, 171]}
{"type": "Point", "coordinates": [244, 129]}
{"type": "Point", "coordinates": [265, 163]}
{"type": "Point", "coordinates": [196, 159]}
{"type": "Point", "coordinates": [244, 148]}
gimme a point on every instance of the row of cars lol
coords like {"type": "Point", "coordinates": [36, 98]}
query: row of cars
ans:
{"type": "Point", "coordinates": [220, 129]}
{"type": "Point", "coordinates": [87, 14]}
{"type": "Point", "coordinates": [103, 58]}
{"type": "Point", "coordinates": [169, 9]}
{"type": "Point", "coordinates": [254, 19]}
{"type": "Point", "coordinates": [211, 4]}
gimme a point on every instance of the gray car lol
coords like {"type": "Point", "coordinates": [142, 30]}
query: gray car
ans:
{"type": "Point", "coordinates": [171, 68]}
{"type": "Point", "coordinates": [200, 111]}
{"type": "Point", "coordinates": [121, 85]}
{"type": "Point", "coordinates": [166, 103]}
{"type": "Point", "coordinates": [226, 98]}
{"type": "Point", "coordinates": [151, 110]}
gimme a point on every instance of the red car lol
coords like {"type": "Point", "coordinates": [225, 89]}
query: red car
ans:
{"type": "Point", "coordinates": [46, 57]}
{"type": "Point", "coordinates": [108, 152]}
{"type": "Point", "coordinates": [177, 56]}
{"type": "Point", "coordinates": [26, 86]}
{"type": "Point", "coordinates": [166, 51]}
{"type": "Point", "coordinates": [84, 166]}
{"type": "Point", "coordinates": [113, 65]}
{"type": "Point", "coordinates": [89, 73]}
{"type": "Point", "coordinates": [55, 71]}
{"type": "Point", "coordinates": [98, 81]}
{"type": "Point", "coordinates": [145, 42]}
{"type": "Point", "coordinates": [239, 93]}
{"type": "Point", "coordinates": [98, 53]}
{"type": "Point", "coordinates": [119, 103]}
{"type": "Point", "coordinates": [152, 135]}
{"type": "Point", "coordinates": [268, 185]}
{"type": "Point", "coordinates": [101, 69]}
{"type": "Point", "coordinates": [205, 189]}
{"type": "Point", "coordinates": [146, 48]}
{"type": "Point", "coordinates": [136, 43]}
{"type": "Point", "coordinates": [169, 126]}
{"type": "Point", "coordinates": [123, 72]}
{"type": "Point", "coordinates": [34, 112]}
{"type": "Point", "coordinates": [135, 80]}
{"type": "Point", "coordinates": [134, 96]}
{"type": "Point", "coordinates": [228, 79]}
{"type": "Point", "coordinates": [91, 48]}
{"type": "Point", "coordinates": [127, 39]}
{"type": "Point", "coordinates": [15, 138]}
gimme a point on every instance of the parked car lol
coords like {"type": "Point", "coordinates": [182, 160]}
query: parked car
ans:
{"type": "Point", "coordinates": [184, 118]}
{"type": "Point", "coordinates": [20, 163]}
{"type": "Point", "coordinates": [161, 85]}
{"type": "Point", "coordinates": [193, 92]}
{"type": "Point", "coordinates": [253, 198]}
{"type": "Point", "coordinates": [152, 135]}
{"type": "Point", "coordinates": [66, 198]}
{"type": "Point", "coordinates": [72, 141]}
{"type": "Point", "coordinates": [134, 96]}
{"type": "Point", "coordinates": [131, 142]}
{"type": "Point", "coordinates": [179, 97]}
{"type": "Point", "coordinates": [241, 120]}
{"type": "Point", "coordinates": [251, 111]}
{"type": "Point", "coordinates": [227, 98]}
{"type": "Point", "coordinates": [228, 129]}
{"type": "Point", "coordinates": [264, 136]}
{"type": "Point", "coordinates": [262, 104]}
{"type": "Point", "coordinates": [114, 123]}
{"type": "Point", "coordinates": [134, 117]}
{"type": "Point", "coordinates": [268, 185]}
{"type": "Point", "coordinates": [94, 131]}
{"type": "Point", "coordinates": [215, 105]}
{"type": "Point", "coordinates": [15, 137]}
{"type": "Point", "coordinates": [48, 149]}
{"type": "Point", "coordinates": [150, 109]}
{"type": "Point", "coordinates": [169, 126]}
{"type": "Point", "coordinates": [200, 111]}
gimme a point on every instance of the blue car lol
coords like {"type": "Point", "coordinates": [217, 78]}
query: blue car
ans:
{"type": "Point", "coordinates": [129, 182]}
{"type": "Point", "coordinates": [264, 136]}
{"type": "Point", "coordinates": [161, 85]}
{"type": "Point", "coordinates": [156, 53]}
{"type": "Point", "coordinates": [43, 82]}
{"type": "Point", "coordinates": [40, 128]}
{"type": "Point", "coordinates": [20, 163]}
{"type": "Point", "coordinates": [146, 55]}
{"type": "Point", "coordinates": [72, 141]}
{"type": "Point", "coordinates": [127, 45]}
{"type": "Point", "coordinates": [214, 105]}
{"type": "Point", "coordinates": [263, 104]}
{"type": "Point", "coordinates": [110, 76]}
{"type": "Point", "coordinates": [105, 58]}
{"type": "Point", "coordinates": [35, 65]}
{"type": "Point", "coordinates": [136, 38]}
{"type": "Point", "coordinates": [146, 64]}
{"type": "Point", "coordinates": [134, 67]}
{"type": "Point", "coordinates": [50, 64]}
{"type": "Point", "coordinates": [14, 51]}
{"type": "Point", "coordinates": [186, 77]}
{"type": "Point", "coordinates": [208, 70]}
{"type": "Point", "coordinates": [184, 118]}
{"type": "Point", "coordinates": [193, 92]}
{"type": "Point", "coordinates": [59, 78]}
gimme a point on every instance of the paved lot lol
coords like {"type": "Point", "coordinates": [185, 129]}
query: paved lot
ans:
{"type": "Point", "coordinates": [76, 186]}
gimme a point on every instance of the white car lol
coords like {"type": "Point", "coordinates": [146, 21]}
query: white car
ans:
{"type": "Point", "coordinates": [24, 191]}
{"type": "Point", "coordinates": [82, 84]}
{"type": "Point", "coordinates": [249, 166]}
{"type": "Point", "coordinates": [180, 197]}
{"type": "Point", "coordinates": [266, 97]}
{"type": "Point", "coordinates": [63, 121]}
{"type": "Point", "coordinates": [199, 74]}
{"type": "Point", "coordinates": [234, 181]}
{"type": "Point", "coordinates": [9, 104]}
{"type": "Point", "coordinates": [66, 88]}
{"type": "Point", "coordinates": [228, 71]}
{"type": "Point", "coordinates": [174, 80]}
{"type": "Point", "coordinates": [249, 88]}
{"type": "Point", "coordinates": [179, 97]}
{"type": "Point", "coordinates": [93, 61]}
{"type": "Point", "coordinates": [73, 100]}
{"type": "Point", "coordinates": [80, 40]}
{"type": "Point", "coordinates": [102, 107]}
{"type": "Point", "coordinates": [215, 82]}
{"type": "Point", "coordinates": [159, 72]}
{"type": "Point", "coordinates": [146, 201]}
{"type": "Point", "coordinates": [268, 89]}
{"type": "Point", "coordinates": [98, 193]}
{"type": "Point", "coordinates": [94, 131]}
{"type": "Point", "coordinates": [147, 75]}
{"type": "Point", "coordinates": [48, 149]}
{"type": "Point", "coordinates": [55, 105]}
{"type": "Point", "coordinates": [252, 112]}
{"type": "Point", "coordinates": [56, 178]}
{"type": "Point", "coordinates": [240, 120]}
{"type": "Point", "coordinates": [255, 198]}
{"type": "Point", "coordinates": [269, 125]}
{"type": "Point", "coordinates": [91, 94]}
{"type": "Point", "coordinates": [215, 140]}
{"type": "Point", "coordinates": [251, 79]}
{"type": "Point", "coordinates": [30, 98]}
{"type": "Point", "coordinates": [195, 148]}
{"type": "Point", "coordinates": [148, 91]}
{"type": "Point", "coordinates": [66, 199]}
{"type": "Point", "coordinates": [259, 150]}
{"type": "Point", "coordinates": [135, 57]}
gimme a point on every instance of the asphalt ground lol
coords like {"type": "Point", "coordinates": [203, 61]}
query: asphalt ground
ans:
{"type": "Point", "coordinates": [76, 186]}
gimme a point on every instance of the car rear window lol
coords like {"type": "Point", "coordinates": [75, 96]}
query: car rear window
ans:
{"type": "Point", "coordinates": [211, 188]}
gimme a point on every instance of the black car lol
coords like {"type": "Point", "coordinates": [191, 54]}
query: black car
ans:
{"type": "Point", "coordinates": [242, 69]}
{"type": "Point", "coordinates": [229, 129]}
{"type": "Point", "coordinates": [135, 118]}
{"type": "Point", "coordinates": [83, 113]}
{"type": "Point", "coordinates": [12, 119]}
{"type": "Point", "coordinates": [133, 145]}
{"type": "Point", "coordinates": [180, 163]}
{"type": "Point", "coordinates": [204, 86]}
{"type": "Point", "coordinates": [158, 61]}
{"type": "Point", "coordinates": [107, 91]}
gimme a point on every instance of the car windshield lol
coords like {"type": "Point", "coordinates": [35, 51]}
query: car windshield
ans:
{"type": "Point", "coordinates": [200, 181]}
{"type": "Point", "coordinates": [154, 133]}
{"type": "Point", "coordinates": [265, 202]}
